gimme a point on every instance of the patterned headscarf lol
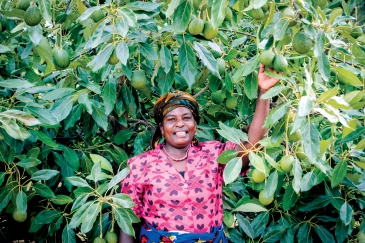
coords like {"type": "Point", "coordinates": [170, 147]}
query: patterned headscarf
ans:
{"type": "Point", "coordinates": [167, 103]}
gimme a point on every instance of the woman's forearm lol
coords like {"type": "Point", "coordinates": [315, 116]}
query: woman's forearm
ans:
{"type": "Point", "coordinates": [124, 238]}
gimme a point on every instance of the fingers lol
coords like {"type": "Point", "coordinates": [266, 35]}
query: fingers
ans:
{"type": "Point", "coordinates": [261, 68]}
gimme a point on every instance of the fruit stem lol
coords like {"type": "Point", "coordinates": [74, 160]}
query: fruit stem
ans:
{"type": "Point", "coordinates": [286, 136]}
{"type": "Point", "coordinates": [113, 220]}
{"type": "Point", "coordinates": [139, 60]}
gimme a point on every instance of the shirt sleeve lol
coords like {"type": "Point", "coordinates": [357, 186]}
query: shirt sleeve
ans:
{"type": "Point", "coordinates": [133, 188]}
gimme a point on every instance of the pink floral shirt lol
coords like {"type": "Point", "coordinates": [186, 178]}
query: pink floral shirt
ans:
{"type": "Point", "coordinates": [170, 202]}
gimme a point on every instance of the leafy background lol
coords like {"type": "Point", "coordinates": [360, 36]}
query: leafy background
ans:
{"type": "Point", "coordinates": [66, 134]}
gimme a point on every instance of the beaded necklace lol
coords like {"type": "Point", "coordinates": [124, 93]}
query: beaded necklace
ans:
{"type": "Point", "coordinates": [176, 159]}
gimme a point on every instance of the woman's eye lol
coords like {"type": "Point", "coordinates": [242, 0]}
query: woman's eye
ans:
{"type": "Point", "coordinates": [187, 118]}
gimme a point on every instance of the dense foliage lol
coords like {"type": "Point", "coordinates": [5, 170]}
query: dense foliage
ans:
{"type": "Point", "coordinates": [78, 80]}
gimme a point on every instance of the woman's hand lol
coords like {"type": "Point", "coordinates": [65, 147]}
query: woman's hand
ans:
{"type": "Point", "coordinates": [266, 82]}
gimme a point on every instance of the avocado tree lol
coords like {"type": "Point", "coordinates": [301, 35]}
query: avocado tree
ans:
{"type": "Point", "coordinates": [78, 80]}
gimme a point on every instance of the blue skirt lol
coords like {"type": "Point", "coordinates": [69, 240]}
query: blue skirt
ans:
{"type": "Point", "coordinates": [149, 234]}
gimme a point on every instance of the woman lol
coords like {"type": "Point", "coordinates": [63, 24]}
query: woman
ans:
{"type": "Point", "coordinates": [177, 186]}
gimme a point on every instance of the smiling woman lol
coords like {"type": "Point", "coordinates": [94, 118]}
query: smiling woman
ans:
{"type": "Point", "coordinates": [177, 186]}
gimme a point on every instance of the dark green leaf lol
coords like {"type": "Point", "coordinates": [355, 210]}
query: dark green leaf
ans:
{"type": "Point", "coordinates": [71, 157]}
{"type": "Point", "coordinates": [311, 141]}
{"type": "Point", "coordinates": [353, 135]}
{"type": "Point", "coordinates": [259, 223]}
{"type": "Point", "coordinates": [61, 200]}
{"type": "Point", "coordinates": [44, 116]}
{"type": "Point", "coordinates": [339, 173]}
{"type": "Point", "coordinates": [99, 116]}
{"type": "Point", "coordinates": [181, 16]}
{"type": "Point", "coordinates": [101, 58]}
{"type": "Point", "coordinates": [44, 174]}
{"type": "Point", "coordinates": [324, 235]}
{"type": "Point", "coordinates": [165, 58]}
{"type": "Point", "coordinates": [251, 86]}
{"type": "Point", "coordinates": [148, 51]}
{"type": "Point", "coordinates": [46, 216]}
{"type": "Point", "coordinates": [68, 235]}
{"type": "Point", "coordinates": [58, 93]}
{"type": "Point", "coordinates": [129, 101]}
{"type": "Point", "coordinates": [77, 181]}
{"type": "Point", "coordinates": [290, 197]}
{"type": "Point", "coordinates": [43, 190]}
{"type": "Point", "coordinates": [28, 162]}
{"type": "Point", "coordinates": [341, 231]}
{"type": "Point", "coordinates": [245, 69]}
{"type": "Point", "coordinates": [61, 108]}
{"type": "Point", "coordinates": [308, 181]}
{"type": "Point", "coordinates": [324, 66]}
{"type": "Point", "coordinates": [187, 63]}
{"type": "Point", "coordinates": [276, 114]}
{"type": "Point", "coordinates": [125, 218]}
{"type": "Point", "coordinates": [109, 94]}
{"type": "Point", "coordinates": [346, 213]}
{"type": "Point", "coordinates": [90, 216]}
{"type": "Point", "coordinates": [21, 202]}
{"type": "Point", "coordinates": [123, 136]}
{"type": "Point", "coordinates": [245, 225]}
{"type": "Point", "coordinates": [226, 156]}
{"type": "Point", "coordinates": [85, 101]}
{"type": "Point", "coordinates": [274, 233]}
{"type": "Point", "coordinates": [207, 58]}
{"type": "Point", "coordinates": [320, 42]}
{"type": "Point", "coordinates": [271, 184]}
{"type": "Point", "coordinates": [5, 197]}
{"type": "Point", "coordinates": [232, 170]}
{"type": "Point", "coordinates": [79, 215]}
{"type": "Point", "coordinates": [118, 177]}
{"type": "Point", "coordinates": [318, 202]}
{"type": "Point", "coordinates": [74, 116]}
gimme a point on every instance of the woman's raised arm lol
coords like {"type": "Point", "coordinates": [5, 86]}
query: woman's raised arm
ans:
{"type": "Point", "coordinates": [255, 131]}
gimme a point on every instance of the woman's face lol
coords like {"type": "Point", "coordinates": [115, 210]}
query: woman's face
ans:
{"type": "Point", "coordinates": [178, 127]}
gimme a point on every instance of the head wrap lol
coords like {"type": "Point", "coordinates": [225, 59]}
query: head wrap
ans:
{"type": "Point", "coordinates": [167, 103]}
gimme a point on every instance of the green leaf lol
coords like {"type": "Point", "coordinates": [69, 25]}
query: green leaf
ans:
{"type": "Point", "coordinates": [305, 105]}
{"type": "Point", "coordinates": [29, 162]}
{"type": "Point", "coordinates": [260, 222]}
{"type": "Point", "coordinates": [44, 116]}
{"type": "Point", "coordinates": [77, 181]}
{"type": "Point", "coordinates": [181, 17]}
{"type": "Point", "coordinates": [319, 45]}
{"type": "Point", "coordinates": [123, 136]}
{"type": "Point", "coordinates": [105, 164]}
{"type": "Point", "coordinates": [148, 51]}
{"type": "Point", "coordinates": [346, 76]}
{"type": "Point", "coordinates": [187, 63]}
{"type": "Point", "coordinates": [85, 15]}
{"type": "Point", "coordinates": [46, 216]}
{"type": "Point", "coordinates": [232, 134]}
{"type": "Point", "coordinates": [122, 52]}
{"type": "Point", "coordinates": [129, 101]}
{"type": "Point", "coordinates": [232, 170]}
{"type": "Point", "coordinates": [251, 86]}
{"type": "Point", "coordinates": [128, 16]}
{"type": "Point", "coordinates": [2, 177]}
{"type": "Point", "coordinates": [290, 197]}
{"type": "Point", "coordinates": [45, 7]}
{"type": "Point", "coordinates": [271, 184]}
{"type": "Point", "coordinates": [341, 231]}
{"type": "Point", "coordinates": [58, 93]}
{"type": "Point", "coordinates": [324, 235]}
{"type": "Point", "coordinates": [353, 135]}
{"type": "Point", "coordinates": [324, 66]}
{"type": "Point", "coordinates": [325, 96]}
{"type": "Point", "coordinates": [61, 200]}
{"type": "Point", "coordinates": [276, 114]}
{"type": "Point", "coordinates": [125, 218]}
{"type": "Point", "coordinates": [226, 156]}
{"type": "Point", "coordinates": [280, 28]}
{"type": "Point", "coordinates": [250, 207]}
{"type": "Point", "coordinates": [74, 116]}
{"type": "Point", "coordinates": [4, 49]}
{"type": "Point", "coordinates": [35, 34]}
{"type": "Point", "coordinates": [90, 217]}
{"type": "Point", "coordinates": [100, 116]}
{"type": "Point", "coordinates": [12, 128]}
{"type": "Point", "coordinates": [95, 174]}
{"type": "Point", "coordinates": [85, 102]}
{"type": "Point", "coordinates": [109, 94]}
{"type": "Point", "coordinates": [245, 225]}
{"type": "Point", "coordinates": [257, 162]}
{"type": "Point", "coordinates": [71, 157]}
{"type": "Point", "coordinates": [101, 58]}
{"type": "Point", "coordinates": [339, 173]}
{"type": "Point", "coordinates": [308, 181]}
{"type": "Point", "coordinates": [319, 202]}
{"type": "Point", "coordinates": [21, 202]}
{"type": "Point", "coordinates": [346, 213]}
{"type": "Point", "coordinates": [118, 177]}
{"type": "Point", "coordinates": [5, 197]}
{"type": "Point", "coordinates": [45, 138]}
{"type": "Point", "coordinates": [68, 235]}
{"type": "Point", "coordinates": [44, 174]}
{"type": "Point", "coordinates": [21, 116]}
{"type": "Point", "coordinates": [165, 58]}
{"type": "Point", "coordinates": [79, 215]}
{"type": "Point", "coordinates": [246, 69]}
{"type": "Point", "coordinates": [207, 58]}
{"type": "Point", "coordinates": [79, 201]}
{"type": "Point", "coordinates": [44, 50]}
{"type": "Point", "coordinates": [43, 190]}
{"type": "Point", "coordinates": [274, 233]}
{"type": "Point", "coordinates": [310, 139]}
{"type": "Point", "coordinates": [61, 108]}
{"type": "Point", "coordinates": [218, 12]}
{"type": "Point", "coordinates": [123, 200]}
{"type": "Point", "coordinates": [274, 91]}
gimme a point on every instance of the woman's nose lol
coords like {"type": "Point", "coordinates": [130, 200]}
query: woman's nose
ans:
{"type": "Point", "coordinates": [179, 122]}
